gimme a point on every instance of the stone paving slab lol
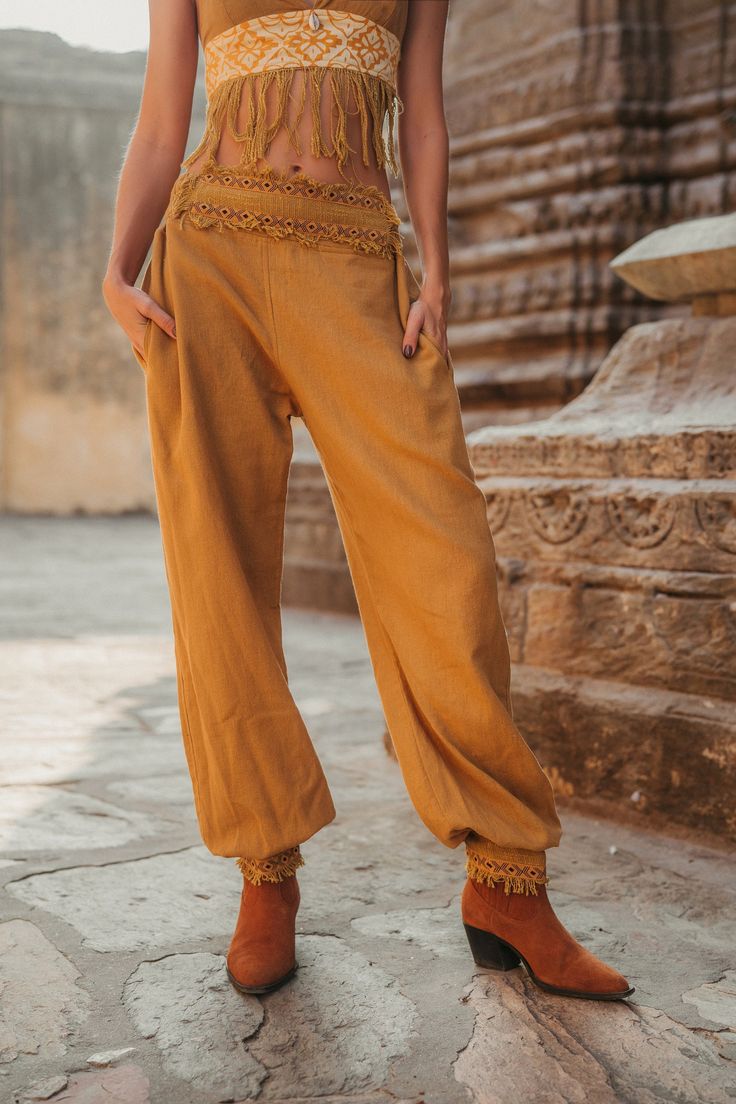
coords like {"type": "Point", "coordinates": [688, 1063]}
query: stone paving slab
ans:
{"type": "Point", "coordinates": [127, 1084]}
{"type": "Point", "coordinates": [114, 919]}
{"type": "Point", "coordinates": [36, 818]}
{"type": "Point", "coordinates": [42, 1002]}
{"type": "Point", "coordinates": [525, 1046]}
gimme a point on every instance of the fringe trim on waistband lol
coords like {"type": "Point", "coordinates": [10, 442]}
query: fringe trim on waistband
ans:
{"type": "Point", "coordinates": [519, 871]}
{"type": "Point", "coordinates": [276, 868]}
{"type": "Point", "coordinates": [182, 196]}
{"type": "Point", "coordinates": [375, 99]}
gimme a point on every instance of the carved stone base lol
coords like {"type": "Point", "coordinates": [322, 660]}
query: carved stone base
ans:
{"type": "Point", "coordinates": [653, 751]}
{"type": "Point", "coordinates": [615, 528]}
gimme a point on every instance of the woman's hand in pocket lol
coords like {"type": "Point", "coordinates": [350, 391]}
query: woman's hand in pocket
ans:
{"type": "Point", "coordinates": [427, 315]}
{"type": "Point", "coordinates": [132, 309]}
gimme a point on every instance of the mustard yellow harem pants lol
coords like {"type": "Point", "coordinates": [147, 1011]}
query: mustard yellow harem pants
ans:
{"type": "Point", "coordinates": [290, 298]}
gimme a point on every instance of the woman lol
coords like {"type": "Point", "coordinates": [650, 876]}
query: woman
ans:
{"type": "Point", "coordinates": [277, 288]}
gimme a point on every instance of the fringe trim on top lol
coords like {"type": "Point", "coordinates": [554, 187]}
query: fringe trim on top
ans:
{"type": "Point", "coordinates": [520, 871]}
{"type": "Point", "coordinates": [276, 868]}
{"type": "Point", "coordinates": [375, 101]}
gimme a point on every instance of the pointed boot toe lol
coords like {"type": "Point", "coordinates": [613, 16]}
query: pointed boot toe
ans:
{"type": "Point", "coordinates": [262, 952]}
{"type": "Point", "coordinates": [506, 930]}
{"type": "Point", "coordinates": [584, 976]}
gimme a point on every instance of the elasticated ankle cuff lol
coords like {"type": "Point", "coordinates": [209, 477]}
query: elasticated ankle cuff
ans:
{"type": "Point", "coordinates": [273, 869]}
{"type": "Point", "coordinates": [520, 871]}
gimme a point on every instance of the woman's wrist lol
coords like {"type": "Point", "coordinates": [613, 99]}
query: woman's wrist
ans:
{"type": "Point", "coordinates": [437, 293]}
{"type": "Point", "coordinates": [115, 278]}
{"type": "Point", "coordinates": [123, 266]}
{"type": "Point", "coordinates": [112, 278]}
{"type": "Point", "coordinates": [436, 273]}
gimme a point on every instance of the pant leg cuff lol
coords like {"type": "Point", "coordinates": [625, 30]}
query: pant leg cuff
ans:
{"type": "Point", "coordinates": [284, 864]}
{"type": "Point", "coordinates": [520, 871]}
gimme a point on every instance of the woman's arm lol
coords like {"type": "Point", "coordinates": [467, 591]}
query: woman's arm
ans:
{"type": "Point", "coordinates": [152, 163]}
{"type": "Point", "coordinates": [424, 155]}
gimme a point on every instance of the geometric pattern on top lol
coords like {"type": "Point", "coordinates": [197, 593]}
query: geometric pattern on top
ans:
{"type": "Point", "coordinates": [288, 41]}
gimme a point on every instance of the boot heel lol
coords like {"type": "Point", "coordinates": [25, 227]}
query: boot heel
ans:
{"type": "Point", "coordinates": [490, 952]}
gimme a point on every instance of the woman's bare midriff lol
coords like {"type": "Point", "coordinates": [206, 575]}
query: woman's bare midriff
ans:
{"type": "Point", "coordinates": [283, 157]}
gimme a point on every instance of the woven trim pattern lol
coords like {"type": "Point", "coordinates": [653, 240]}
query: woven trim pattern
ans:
{"type": "Point", "coordinates": [520, 871]}
{"type": "Point", "coordinates": [284, 864]}
{"type": "Point", "coordinates": [307, 231]}
{"type": "Point", "coordinates": [288, 40]}
{"type": "Point", "coordinates": [365, 196]}
{"type": "Point", "coordinates": [309, 210]}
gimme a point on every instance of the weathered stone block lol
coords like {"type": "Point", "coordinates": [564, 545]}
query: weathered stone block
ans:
{"type": "Point", "coordinates": [705, 252]}
{"type": "Point", "coordinates": [334, 1030]}
{"type": "Point", "coordinates": [127, 1084]}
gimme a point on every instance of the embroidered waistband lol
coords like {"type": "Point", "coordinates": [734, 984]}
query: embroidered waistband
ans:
{"type": "Point", "coordinates": [298, 206]}
{"type": "Point", "coordinates": [321, 37]}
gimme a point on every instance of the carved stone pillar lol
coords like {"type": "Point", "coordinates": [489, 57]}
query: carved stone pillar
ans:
{"type": "Point", "coordinates": [615, 528]}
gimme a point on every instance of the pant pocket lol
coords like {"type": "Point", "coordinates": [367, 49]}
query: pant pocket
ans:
{"type": "Point", "coordinates": [152, 284]}
{"type": "Point", "coordinates": [406, 284]}
{"type": "Point", "coordinates": [433, 345]}
{"type": "Point", "coordinates": [143, 358]}
{"type": "Point", "coordinates": [147, 341]}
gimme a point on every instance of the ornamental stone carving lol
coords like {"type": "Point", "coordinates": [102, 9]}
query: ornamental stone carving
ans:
{"type": "Point", "coordinates": [556, 515]}
{"type": "Point", "coordinates": [717, 518]}
{"type": "Point", "coordinates": [643, 521]}
{"type": "Point", "coordinates": [497, 510]}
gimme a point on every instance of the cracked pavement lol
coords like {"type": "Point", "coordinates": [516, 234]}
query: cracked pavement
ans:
{"type": "Point", "coordinates": [115, 918]}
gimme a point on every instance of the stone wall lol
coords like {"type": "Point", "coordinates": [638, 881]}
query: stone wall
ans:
{"type": "Point", "coordinates": [74, 434]}
{"type": "Point", "coordinates": [576, 128]}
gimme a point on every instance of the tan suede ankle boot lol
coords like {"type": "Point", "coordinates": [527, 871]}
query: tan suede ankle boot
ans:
{"type": "Point", "coordinates": [506, 929]}
{"type": "Point", "coordinates": [262, 953]}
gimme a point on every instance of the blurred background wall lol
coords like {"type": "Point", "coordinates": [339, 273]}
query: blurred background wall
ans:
{"type": "Point", "coordinates": [575, 128]}
{"type": "Point", "coordinates": [73, 416]}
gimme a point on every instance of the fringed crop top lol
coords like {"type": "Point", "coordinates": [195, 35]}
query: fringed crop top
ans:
{"type": "Point", "coordinates": [252, 45]}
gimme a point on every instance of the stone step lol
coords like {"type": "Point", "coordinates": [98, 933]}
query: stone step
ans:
{"type": "Point", "coordinates": [657, 752]}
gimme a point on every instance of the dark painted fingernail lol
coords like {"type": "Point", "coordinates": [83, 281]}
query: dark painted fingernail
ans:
{"type": "Point", "coordinates": [408, 351]}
